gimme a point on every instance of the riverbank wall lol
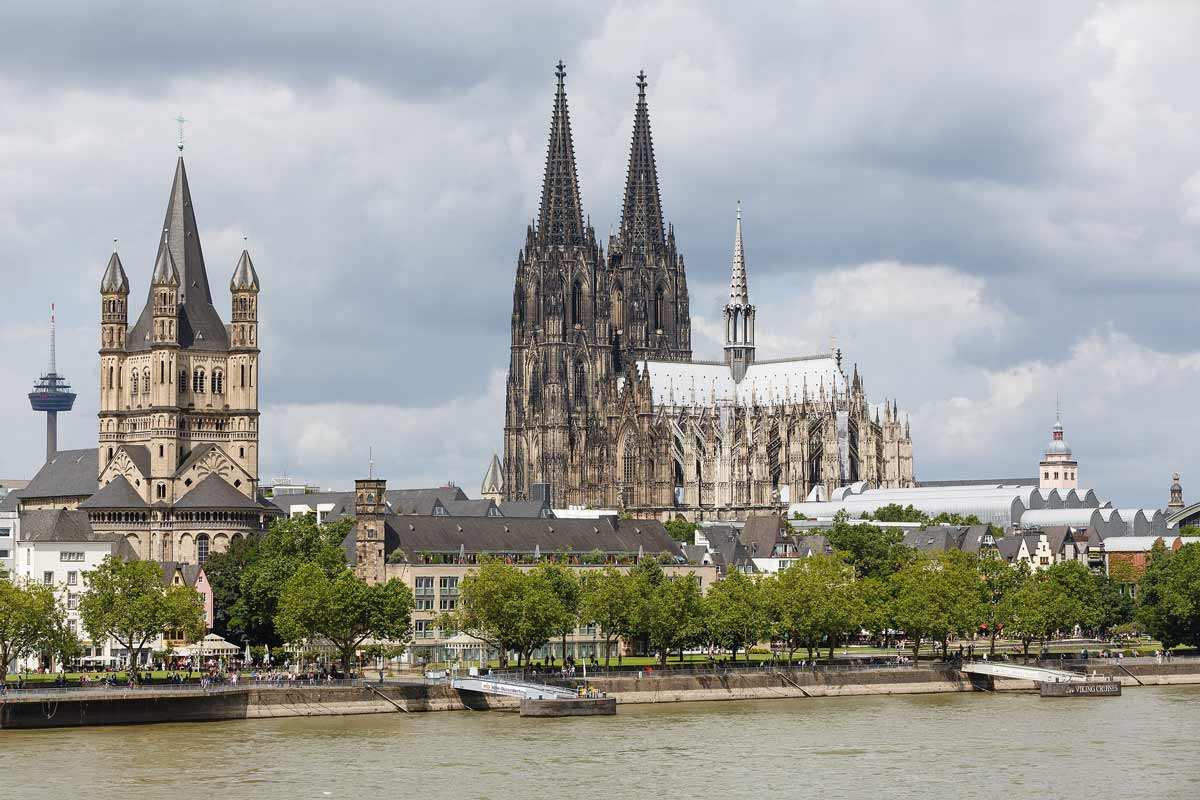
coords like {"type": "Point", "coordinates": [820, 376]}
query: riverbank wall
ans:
{"type": "Point", "coordinates": [195, 704]}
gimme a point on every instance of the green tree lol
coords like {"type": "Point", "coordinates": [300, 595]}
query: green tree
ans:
{"type": "Point", "coordinates": [30, 618]}
{"type": "Point", "coordinates": [488, 603]}
{"type": "Point", "coordinates": [1077, 599]}
{"type": "Point", "coordinates": [1028, 613]}
{"type": "Point", "coordinates": [999, 580]}
{"type": "Point", "coordinates": [874, 552]}
{"type": "Point", "coordinates": [564, 583]}
{"type": "Point", "coordinates": [1169, 607]}
{"type": "Point", "coordinates": [936, 597]}
{"type": "Point", "coordinates": [225, 571]}
{"type": "Point", "coordinates": [894, 512]}
{"type": "Point", "coordinates": [343, 609]}
{"type": "Point", "coordinates": [608, 601]}
{"type": "Point", "coordinates": [812, 600]}
{"type": "Point", "coordinates": [736, 613]}
{"type": "Point", "coordinates": [127, 602]}
{"type": "Point", "coordinates": [681, 530]}
{"type": "Point", "coordinates": [1189, 530]}
{"type": "Point", "coordinates": [672, 617]}
{"type": "Point", "coordinates": [286, 546]}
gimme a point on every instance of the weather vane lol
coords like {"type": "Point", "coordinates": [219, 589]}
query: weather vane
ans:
{"type": "Point", "coordinates": [180, 119]}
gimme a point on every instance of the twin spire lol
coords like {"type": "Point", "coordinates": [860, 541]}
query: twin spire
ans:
{"type": "Point", "coordinates": [560, 217]}
{"type": "Point", "coordinates": [560, 220]}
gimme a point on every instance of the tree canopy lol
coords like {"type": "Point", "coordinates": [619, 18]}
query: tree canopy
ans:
{"type": "Point", "coordinates": [1170, 596]}
{"type": "Point", "coordinates": [342, 608]}
{"type": "Point", "coordinates": [127, 601]}
{"type": "Point", "coordinates": [30, 619]}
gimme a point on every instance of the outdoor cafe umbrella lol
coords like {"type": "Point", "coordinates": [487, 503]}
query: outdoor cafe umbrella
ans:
{"type": "Point", "coordinates": [247, 651]}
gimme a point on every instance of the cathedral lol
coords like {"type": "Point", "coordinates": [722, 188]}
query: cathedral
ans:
{"type": "Point", "coordinates": [605, 403]}
{"type": "Point", "coordinates": [178, 443]}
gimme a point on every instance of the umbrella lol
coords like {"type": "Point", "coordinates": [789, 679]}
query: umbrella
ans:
{"type": "Point", "coordinates": [247, 651]}
{"type": "Point", "coordinates": [267, 654]}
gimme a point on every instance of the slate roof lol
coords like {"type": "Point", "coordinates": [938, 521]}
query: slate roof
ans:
{"type": "Point", "coordinates": [760, 533]}
{"type": "Point", "coordinates": [200, 326]}
{"type": "Point", "coordinates": [117, 493]}
{"type": "Point", "coordinates": [1009, 546]}
{"type": "Point", "coordinates": [191, 572]}
{"type": "Point", "coordinates": [417, 534]}
{"type": "Point", "coordinates": [139, 454]}
{"type": "Point", "coordinates": [932, 539]}
{"type": "Point", "coordinates": [214, 492]}
{"type": "Point", "coordinates": [526, 508]}
{"type": "Point", "coordinates": [470, 508]}
{"type": "Point", "coordinates": [982, 482]}
{"type": "Point", "coordinates": [194, 456]}
{"type": "Point", "coordinates": [10, 500]}
{"type": "Point", "coordinates": [71, 473]}
{"type": "Point", "coordinates": [59, 525]}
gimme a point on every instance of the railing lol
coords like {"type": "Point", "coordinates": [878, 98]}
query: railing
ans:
{"type": "Point", "coordinates": [33, 692]}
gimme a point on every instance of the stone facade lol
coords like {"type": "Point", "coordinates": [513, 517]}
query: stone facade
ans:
{"type": "Point", "coordinates": [604, 400]}
{"type": "Point", "coordinates": [178, 437]}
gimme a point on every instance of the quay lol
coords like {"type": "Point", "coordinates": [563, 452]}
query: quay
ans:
{"type": "Point", "coordinates": [56, 708]}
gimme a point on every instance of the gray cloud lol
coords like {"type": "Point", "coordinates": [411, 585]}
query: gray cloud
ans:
{"type": "Point", "coordinates": [384, 161]}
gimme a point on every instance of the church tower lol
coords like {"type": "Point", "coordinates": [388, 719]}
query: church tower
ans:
{"type": "Point", "coordinates": [370, 506]}
{"type": "Point", "coordinates": [651, 316]}
{"type": "Point", "coordinates": [561, 354]}
{"type": "Point", "coordinates": [1176, 500]}
{"type": "Point", "coordinates": [739, 314]}
{"type": "Point", "coordinates": [1058, 469]}
{"type": "Point", "coordinates": [178, 439]}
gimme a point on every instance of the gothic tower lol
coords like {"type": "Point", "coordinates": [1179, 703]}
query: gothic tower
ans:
{"type": "Point", "coordinates": [651, 316]}
{"type": "Point", "coordinates": [561, 353]}
{"type": "Point", "coordinates": [739, 314]}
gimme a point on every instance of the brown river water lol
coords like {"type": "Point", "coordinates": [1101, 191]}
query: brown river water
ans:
{"type": "Point", "coordinates": [1143, 744]}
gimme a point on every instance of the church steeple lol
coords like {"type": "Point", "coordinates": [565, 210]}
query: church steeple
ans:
{"type": "Point", "coordinates": [200, 325]}
{"type": "Point", "coordinates": [560, 219]}
{"type": "Point", "coordinates": [739, 314]}
{"type": "Point", "coordinates": [641, 215]}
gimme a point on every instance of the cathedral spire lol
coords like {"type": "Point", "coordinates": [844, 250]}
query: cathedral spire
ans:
{"type": "Point", "coordinates": [739, 291]}
{"type": "Point", "coordinates": [641, 216]}
{"type": "Point", "coordinates": [560, 219]}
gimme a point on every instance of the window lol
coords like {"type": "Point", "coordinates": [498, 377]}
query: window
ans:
{"type": "Point", "coordinates": [133, 384]}
{"type": "Point", "coordinates": [72, 601]}
{"type": "Point", "coordinates": [198, 382]}
{"type": "Point", "coordinates": [1055, 476]}
{"type": "Point", "coordinates": [576, 303]}
{"type": "Point", "coordinates": [160, 491]}
{"type": "Point", "coordinates": [146, 381]}
{"type": "Point", "coordinates": [422, 629]}
{"type": "Point", "coordinates": [659, 320]}
{"type": "Point", "coordinates": [629, 471]}
{"type": "Point", "coordinates": [1045, 476]}
{"type": "Point", "coordinates": [182, 381]}
{"type": "Point", "coordinates": [423, 604]}
{"type": "Point", "coordinates": [580, 382]}
{"type": "Point", "coordinates": [448, 585]}
{"type": "Point", "coordinates": [68, 555]}
{"type": "Point", "coordinates": [3, 554]}
{"type": "Point", "coordinates": [447, 603]}
{"type": "Point", "coordinates": [72, 578]}
{"type": "Point", "coordinates": [218, 382]}
{"type": "Point", "coordinates": [48, 578]}
{"type": "Point", "coordinates": [242, 382]}
{"type": "Point", "coordinates": [202, 548]}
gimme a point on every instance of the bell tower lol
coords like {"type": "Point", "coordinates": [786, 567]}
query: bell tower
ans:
{"type": "Point", "coordinates": [370, 506]}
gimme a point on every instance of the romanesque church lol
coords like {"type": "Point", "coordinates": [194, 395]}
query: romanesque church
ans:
{"type": "Point", "coordinates": [605, 402]}
{"type": "Point", "coordinates": [178, 444]}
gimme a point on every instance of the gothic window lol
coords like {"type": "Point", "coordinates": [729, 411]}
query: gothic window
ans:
{"type": "Point", "coordinates": [520, 306]}
{"type": "Point", "coordinates": [659, 317]}
{"type": "Point", "coordinates": [202, 548]}
{"type": "Point", "coordinates": [146, 381]}
{"type": "Point", "coordinates": [576, 303]}
{"type": "Point", "coordinates": [628, 474]}
{"type": "Point", "coordinates": [133, 384]}
{"type": "Point", "coordinates": [242, 382]}
{"type": "Point", "coordinates": [218, 382]}
{"type": "Point", "coordinates": [110, 377]}
{"type": "Point", "coordinates": [183, 384]}
{"type": "Point", "coordinates": [535, 389]}
{"type": "Point", "coordinates": [198, 381]}
{"type": "Point", "coordinates": [617, 310]}
{"type": "Point", "coordinates": [580, 382]}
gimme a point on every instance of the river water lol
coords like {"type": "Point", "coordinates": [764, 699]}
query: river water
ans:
{"type": "Point", "coordinates": [1143, 744]}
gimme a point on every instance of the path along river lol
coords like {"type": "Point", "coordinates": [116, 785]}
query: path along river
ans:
{"type": "Point", "coordinates": [1143, 744]}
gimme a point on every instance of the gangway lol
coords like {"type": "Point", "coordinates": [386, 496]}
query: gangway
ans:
{"type": "Point", "coordinates": [512, 687]}
{"type": "Point", "coordinates": [1024, 673]}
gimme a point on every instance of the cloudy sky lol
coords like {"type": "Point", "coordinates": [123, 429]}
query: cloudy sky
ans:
{"type": "Point", "coordinates": [988, 205]}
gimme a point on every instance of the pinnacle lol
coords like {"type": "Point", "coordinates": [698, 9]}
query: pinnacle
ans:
{"type": "Point", "coordinates": [641, 219]}
{"type": "Point", "coordinates": [739, 291]}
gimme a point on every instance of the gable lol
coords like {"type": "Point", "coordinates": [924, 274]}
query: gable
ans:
{"type": "Point", "coordinates": [212, 460]}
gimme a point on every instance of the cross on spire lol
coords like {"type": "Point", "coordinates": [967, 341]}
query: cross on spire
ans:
{"type": "Point", "coordinates": [180, 120]}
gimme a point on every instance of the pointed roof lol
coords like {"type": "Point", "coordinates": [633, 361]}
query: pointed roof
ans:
{"type": "Point", "coordinates": [560, 219]}
{"type": "Point", "coordinates": [739, 291]}
{"type": "Point", "coordinates": [117, 493]}
{"type": "Point", "coordinates": [493, 481]}
{"type": "Point", "coordinates": [641, 215]}
{"type": "Point", "coordinates": [245, 279]}
{"type": "Point", "coordinates": [214, 492]}
{"type": "Point", "coordinates": [165, 271]}
{"type": "Point", "coordinates": [115, 280]}
{"type": "Point", "coordinates": [200, 326]}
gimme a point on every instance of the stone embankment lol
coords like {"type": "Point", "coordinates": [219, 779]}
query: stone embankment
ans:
{"type": "Point", "coordinates": [72, 708]}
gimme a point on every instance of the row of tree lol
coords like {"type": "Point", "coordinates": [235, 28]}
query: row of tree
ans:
{"type": "Point", "coordinates": [816, 602]}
